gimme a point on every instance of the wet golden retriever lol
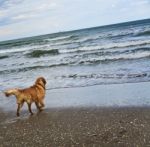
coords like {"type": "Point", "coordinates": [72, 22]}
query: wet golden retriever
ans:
{"type": "Point", "coordinates": [35, 93]}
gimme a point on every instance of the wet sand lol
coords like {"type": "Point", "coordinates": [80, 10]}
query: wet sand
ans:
{"type": "Point", "coordinates": [75, 127]}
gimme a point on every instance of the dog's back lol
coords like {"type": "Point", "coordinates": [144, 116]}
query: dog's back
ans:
{"type": "Point", "coordinates": [34, 92]}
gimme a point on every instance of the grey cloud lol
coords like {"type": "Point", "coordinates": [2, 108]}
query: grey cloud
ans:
{"type": "Point", "coordinates": [9, 3]}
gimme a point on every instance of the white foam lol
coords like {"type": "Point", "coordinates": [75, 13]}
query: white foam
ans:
{"type": "Point", "coordinates": [108, 46]}
{"type": "Point", "coordinates": [120, 56]}
{"type": "Point", "coordinates": [22, 49]}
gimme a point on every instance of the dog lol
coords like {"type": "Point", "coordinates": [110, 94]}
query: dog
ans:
{"type": "Point", "coordinates": [35, 93]}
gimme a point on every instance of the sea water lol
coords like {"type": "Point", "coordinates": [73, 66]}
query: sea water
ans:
{"type": "Point", "coordinates": [110, 54]}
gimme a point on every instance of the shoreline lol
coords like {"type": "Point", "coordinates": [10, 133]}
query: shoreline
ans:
{"type": "Point", "coordinates": [114, 95]}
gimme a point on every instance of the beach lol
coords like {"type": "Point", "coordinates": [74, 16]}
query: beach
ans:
{"type": "Point", "coordinates": [71, 123]}
{"type": "Point", "coordinates": [125, 127]}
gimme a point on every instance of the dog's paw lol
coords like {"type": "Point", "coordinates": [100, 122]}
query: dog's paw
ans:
{"type": "Point", "coordinates": [41, 109]}
{"type": "Point", "coordinates": [17, 114]}
{"type": "Point", "coordinates": [31, 113]}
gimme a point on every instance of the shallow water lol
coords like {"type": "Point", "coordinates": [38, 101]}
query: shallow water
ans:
{"type": "Point", "coordinates": [111, 95]}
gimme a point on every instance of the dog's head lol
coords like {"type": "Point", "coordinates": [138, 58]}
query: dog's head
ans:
{"type": "Point", "coordinates": [7, 93]}
{"type": "Point", "coordinates": [41, 81]}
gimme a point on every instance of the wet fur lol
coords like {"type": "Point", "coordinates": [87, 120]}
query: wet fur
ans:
{"type": "Point", "coordinates": [35, 93]}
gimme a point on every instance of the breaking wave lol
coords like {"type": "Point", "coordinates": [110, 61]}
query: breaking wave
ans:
{"type": "Point", "coordinates": [108, 46]}
{"type": "Point", "coordinates": [39, 53]}
{"type": "Point", "coordinates": [3, 57]}
{"type": "Point", "coordinates": [145, 33]}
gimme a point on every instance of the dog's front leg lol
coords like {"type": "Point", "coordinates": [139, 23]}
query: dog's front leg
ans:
{"type": "Point", "coordinates": [38, 106]}
{"type": "Point", "coordinates": [18, 109]}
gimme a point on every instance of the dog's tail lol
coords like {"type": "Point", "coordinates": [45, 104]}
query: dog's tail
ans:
{"type": "Point", "coordinates": [10, 92]}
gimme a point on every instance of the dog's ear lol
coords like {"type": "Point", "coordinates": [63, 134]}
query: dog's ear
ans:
{"type": "Point", "coordinates": [44, 81]}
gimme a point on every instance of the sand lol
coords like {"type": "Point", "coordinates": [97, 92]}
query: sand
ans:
{"type": "Point", "coordinates": [75, 127]}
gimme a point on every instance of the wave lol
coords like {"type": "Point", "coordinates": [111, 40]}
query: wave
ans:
{"type": "Point", "coordinates": [75, 48]}
{"type": "Point", "coordinates": [103, 76]}
{"type": "Point", "coordinates": [113, 36]}
{"type": "Point", "coordinates": [39, 53]}
{"type": "Point", "coordinates": [145, 33]}
{"type": "Point", "coordinates": [140, 49]}
{"type": "Point", "coordinates": [12, 44]}
{"type": "Point", "coordinates": [57, 38]}
{"type": "Point", "coordinates": [30, 68]}
{"type": "Point", "coordinates": [62, 42]}
{"type": "Point", "coordinates": [115, 52]}
{"type": "Point", "coordinates": [24, 49]}
{"type": "Point", "coordinates": [69, 37]}
{"type": "Point", "coordinates": [25, 42]}
{"type": "Point", "coordinates": [84, 61]}
{"type": "Point", "coordinates": [3, 57]}
{"type": "Point", "coordinates": [107, 46]}
{"type": "Point", "coordinates": [92, 38]}
{"type": "Point", "coordinates": [4, 51]}
{"type": "Point", "coordinates": [112, 58]}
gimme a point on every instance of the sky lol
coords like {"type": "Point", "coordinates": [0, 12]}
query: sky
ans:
{"type": "Point", "coordinates": [23, 18]}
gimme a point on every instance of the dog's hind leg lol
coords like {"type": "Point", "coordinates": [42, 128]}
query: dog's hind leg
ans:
{"type": "Point", "coordinates": [29, 107]}
{"type": "Point", "coordinates": [42, 103]}
{"type": "Point", "coordinates": [38, 106]}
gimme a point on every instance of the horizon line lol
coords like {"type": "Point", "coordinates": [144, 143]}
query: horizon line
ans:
{"type": "Point", "coordinates": [101, 26]}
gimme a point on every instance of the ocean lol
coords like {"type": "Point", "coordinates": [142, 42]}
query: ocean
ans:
{"type": "Point", "coordinates": [112, 54]}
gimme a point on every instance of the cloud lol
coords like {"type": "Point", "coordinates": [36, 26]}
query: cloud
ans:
{"type": "Point", "coordinates": [19, 10]}
{"type": "Point", "coordinates": [34, 17]}
{"type": "Point", "coordinates": [7, 4]}
{"type": "Point", "coordinates": [2, 13]}
{"type": "Point", "coordinates": [23, 16]}
{"type": "Point", "coordinates": [6, 31]}
{"type": "Point", "coordinates": [46, 6]}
